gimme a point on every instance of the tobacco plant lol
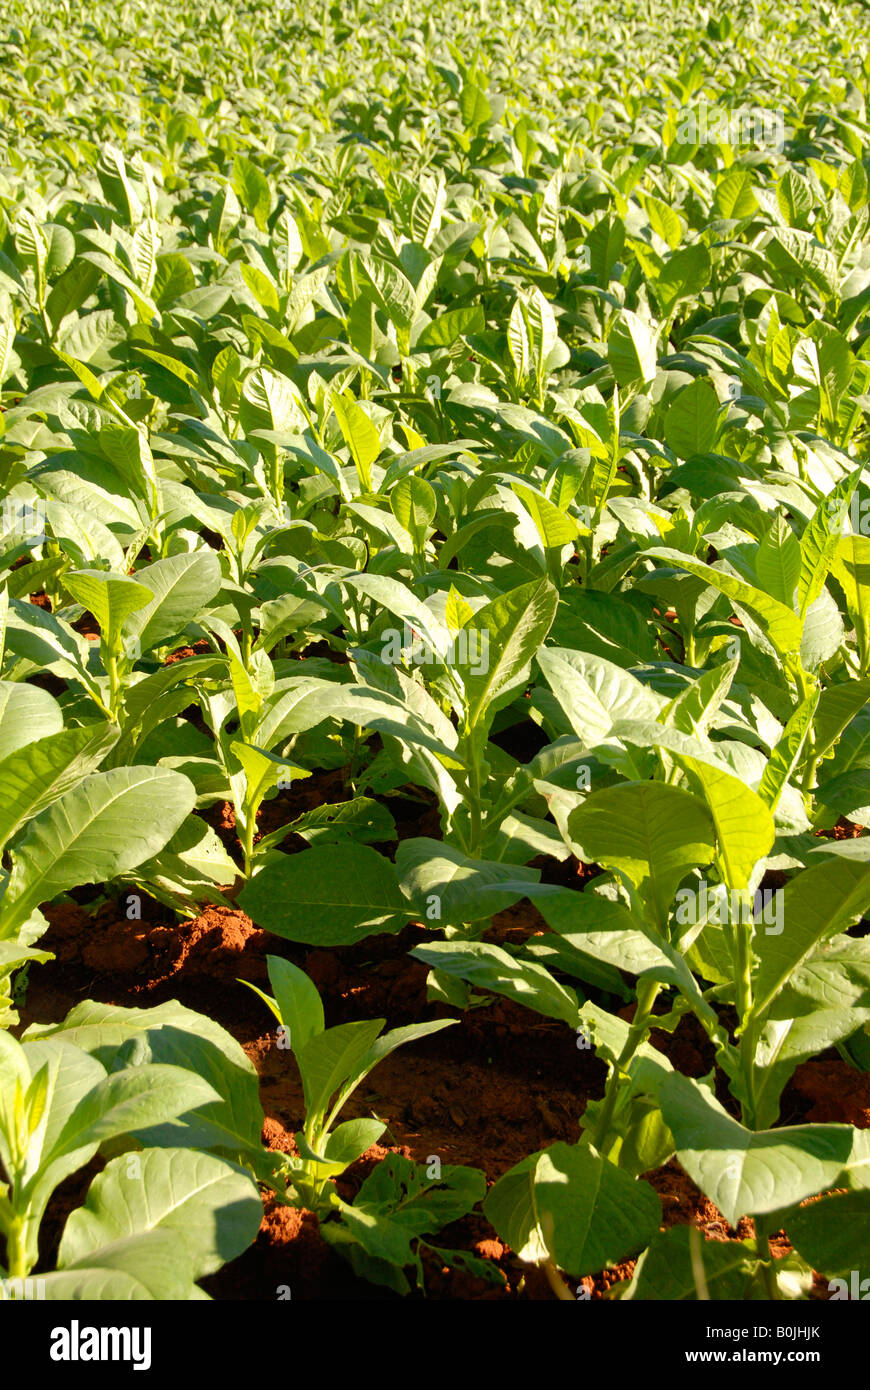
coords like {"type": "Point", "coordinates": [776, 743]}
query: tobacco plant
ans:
{"type": "Point", "coordinates": [503, 462]}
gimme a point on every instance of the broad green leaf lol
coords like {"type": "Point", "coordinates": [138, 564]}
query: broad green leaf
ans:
{"type": "Point", "coordinates": [252, 188]}
{"type": "Point", "coordinates": [778, 561]}
{"type": "Point", "coordinates": [360, 435]}
{"type": "Point", "coordinates": [108, 824]}
{"type": "Point", "coordinates": [413, 503]}
{"type": "Point", "coordinates": [33, 778]}
{"type": "Point", "coordinates": [573, 1206]}
{"type": "Point", "coordinates": [210, 1207]}
{"type": "Point", "coordinates": [744, 826]}
{"type": "Point", "coordinates": [850, 565]}
{"type": "Point", "coordinates": [595, 693]}
{"type": "Point", "coordinates": [595, 926]}
{"type": "Point", "coordinates": [691, 419]}
{"type": "Point", "coordinates": [269, 402]}
{"type": "Point", "coordinates": [734, 194]}
{"type": "Point", "coordinates": [330, 895]}
{"type": "Point", "coordinates": [467, 888]}
{"type": "Point", "coordinates": [510, 630]}
{"type": "Point", "coordinates": [173, 1035]}
{"type": "Point", "coordinates": [748, 1173]}
{"type": "Point", "coordinates": [780, 624]}
{"type": "Point", "coordinates": [128, 1100]}
{"type": "Point", "coordinates": [650, 833]}
{"type": "Point", "coordinates": [631, 349]}
{"type": "Point", "coordinates": [666, 1269]}
{"type": "Point", "coordinates": [182, 585]}
{"type": "Point", "coordinates": [554, 527]}
{"type": "Point", "coordinates": [488, 967]}
{"type": "Point", "coordinates": [834, 1234]}
{"type": "Point", "coordinates": [150, 1266]}
{"type": "Point", "coordinates": [28, 715]}
{"type": "Point", "coordinates": [837, 707]}
{"type": "Point", "coordinates": [818, 902]}
{"type": "Point", "coordinates": [111, 598]}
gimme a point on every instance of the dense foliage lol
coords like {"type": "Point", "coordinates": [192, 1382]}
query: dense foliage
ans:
{"type": "Point", "coordinates": [477, 399]}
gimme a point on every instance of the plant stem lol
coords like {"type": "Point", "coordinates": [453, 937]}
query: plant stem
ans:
{"type": "Point", "coordinates": [765, 1254]}
{"type": "Point", "coordinates": [16, 1248]}
{"type": "Point", "coordinates": [116, 697]}
{"type": "Point", "coordinates": [474, 794]}
{"type": "Point", "coordinates": [248, 838]}
{"type": "Point", "coordinates": [697, 1258]}
{"type": "Point", "coordinates": [556, 1282]}
{"type": "Point", "coordinates": [646, 996]}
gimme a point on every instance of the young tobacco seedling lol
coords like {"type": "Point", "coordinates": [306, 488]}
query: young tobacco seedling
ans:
{"type": "Point", "coordinates": [332, 1062]}
{"type": "Point", "coordinates": [381, 1233]}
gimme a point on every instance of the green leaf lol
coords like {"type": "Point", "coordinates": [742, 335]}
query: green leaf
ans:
{"type": "Point", "coordinates": [212, 1208]}
{"type": "Point", "coordinates": [473, 105]}
{"type": "Point", "coordinates": [269, 402]}
{"type": "Point", "coordinates": [34, 777]}
{"type": "Point", "coordinates": [820, 541]}
{"type": "Point", "coordinates": [650, 833]}
{"type": "Point", "coordinates": [261, 287]}
{"type": "Point", "coordinates": [781, 625]}
{"type": "Point", "coordinates": [488, 967]}
{"type": "Point", "coordinates": [786, 753]}
{"type": "Point", "coordinates": [818, 902]}
{"type": "Point", "coordinates": [833, 1235]}
{"type": "Point", "coordinates": [28, 715]}
{"type": "Point", "coordinates": [570, 1204]}
{"type": "Point", "coordinates": [129, 1100]}
{"type": "Point", "coordinates": [175, 1036]}
{"type": "Point", "coordinates": [391, 291]}
{"type": "Point", "coordinates": [510, 630]}
{"type": "Point", "coordinates": [777, 562]}
{"type": "Point", "coordinates": [692, 419]}
{"type": "Point", "coordinates": [467, 888]}
{"type": "Point", "coordinates": [850, 565]}
{"type": "Point", "coordinates": [554, 527]}
{"type": "Point", "coordinates": [360, 435]}
{"type": "Point", "coordinates": [413, 504]}
{"type": "Point", "coordinates": [182, 586]}
{"type": "Point", "coordinates": [744, 826]}
{"type": "Point", "coordinates": [594, 926]}
{"type": "Point", "coordinates": [348, 1141]}
{"type": "Point", "coordinates": [328, 1058]}
{"type": "Point", "coordinates": [383, 1046]}
{"type": "Point", "coordinates": [330, 895]}
{"type": "Point", "coordinates": [153, 1265]}
{"type": "Point", "coordinates": [108, 824]}
{"type": "Point", "coordinates": [448, 327]}
{"type": "Point", "coordinates": [112, 598]}
{"type": "Point", "coordinates": [666, 1270]}
{"type": "Point", "coordinates": [252, 189]}
{"type": "Point", "coordinates": [299, 1006]}
{"type": "Point", "coordinates": [631, 349]}
{"type": "Point", "coordinates": [595, 693]}
{"type": "Point", "coordinates": [685, 274]}
{"type": "Point", "coordinates": [746, 1173]}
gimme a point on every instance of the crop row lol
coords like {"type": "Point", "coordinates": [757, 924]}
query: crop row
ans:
{"type": "Point", "coordinates": [473, 405]}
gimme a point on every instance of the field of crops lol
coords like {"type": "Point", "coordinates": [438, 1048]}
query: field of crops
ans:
{"type": "Point", "coordinates": [435, 639]}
